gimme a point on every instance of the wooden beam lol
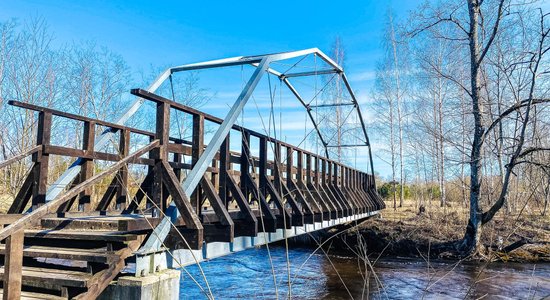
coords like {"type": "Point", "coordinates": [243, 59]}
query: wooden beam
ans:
{"type": "Point", "coordinates": [13, 265]}
{"type": "Point", "coordinates": [15, 158]}
{"type": "Point", "coordinates": [197, 149]}
{"type": "Point", "coordinates": [87, 169]}
{"type": "Point", "coordinates": [179, 197]}
{"type": "Point", "coordinates": [43, 137]}
{"type": "Point", "coordinates": [25, 193]}
{"type": "Point", "coordinates": [52, 206]}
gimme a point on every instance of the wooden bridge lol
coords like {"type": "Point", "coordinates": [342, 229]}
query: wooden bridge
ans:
{"type": "Point", "coordinates": [60, 243]}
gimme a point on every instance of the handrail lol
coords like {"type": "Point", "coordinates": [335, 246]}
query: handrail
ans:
{"type": "Point", "coordinates": [10, 161]}
{"type": "Point", "coordinates": [53, 205]}
{"type": "Point", "coordinates": [186, 109]}
{"type": "Point", "coordinates": [87, 119]}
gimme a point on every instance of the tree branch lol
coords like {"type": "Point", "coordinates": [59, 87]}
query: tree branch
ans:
{"type": "Point", "coordinates": [510, 110]}
{"type": "Point", "coordinates": [494, 33]}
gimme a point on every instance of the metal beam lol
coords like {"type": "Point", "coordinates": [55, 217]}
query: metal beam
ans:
{"type": "Point", "coordinates": [344, 146]}
{"type": "Point", "coordinates": [308, 110]}
{"type": "Point", "coordinates": [331, 105]}
{"type": "Point", "coordinates": [310, 73]}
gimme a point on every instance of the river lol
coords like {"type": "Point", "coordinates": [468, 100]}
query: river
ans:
{"type": "Point", "coordinates": [249, 275]}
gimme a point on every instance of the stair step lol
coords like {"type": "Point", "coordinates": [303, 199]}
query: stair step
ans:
{"type": "Point", "coordinates": [89, 235]}
{"type": "Point", "coordinates": [90, 255]}
{"type": "Point", "coordinates": [42, 277]}
{"type": "Point", "coordinates": [35, 296]}
{"type": "Point", "coordinates": [119, 223]}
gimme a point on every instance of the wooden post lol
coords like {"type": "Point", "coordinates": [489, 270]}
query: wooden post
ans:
{"type": "Point", "coordinates": [122, 191]}
{"type": "Point", "coordinates": [13, 265]}
{"type": "Point", "coordinates": [245, 163]}
{"type": "Point", "coordinates": [277, 166]}
{"type": "Point", "coordinates": [300, 167]}
{"type": "Point", "coordinates": [196, 150]}
{"type": "Point", "coordinates": [159, 154]}
{"type": "Point", "coordinates": [224, 167]}
{"type": "Point", "coordinates": [87, 170]}
{"type": "Point", "coordinates": [263, 165]}
{"type": "Point", "coordinates": [40, 158]}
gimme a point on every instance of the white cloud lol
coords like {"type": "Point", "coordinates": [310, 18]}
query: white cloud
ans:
{"type": "Point", "coordinates": [362, 76]}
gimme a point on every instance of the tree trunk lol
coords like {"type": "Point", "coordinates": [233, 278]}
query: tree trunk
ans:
{"type": "Point", "coordinates": [470, 243]}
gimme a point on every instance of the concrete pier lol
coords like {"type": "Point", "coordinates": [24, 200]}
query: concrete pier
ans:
{"type": "Point", "coordinates": [164, 285]}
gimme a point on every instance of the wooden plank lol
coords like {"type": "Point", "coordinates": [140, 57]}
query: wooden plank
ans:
{"type": "Point", "coordinates": [267, 188]}
{"type": "Point", "coordinates": [142, 192]}
{"type": "Point", "coordinates": [269, 220]}
{"type": "Point", "coordinates": [241, 200]}
{"type": "Point", "coordinates": [18, 157]}
{"type": "Point", "coordinates": [123, 223]}
{"type": "Point", "coordinates": [13, 266]}
{"type": "Point", "coordinates": [94, 255]}
{"type": "Point", "coordinates": [102, 279]}
{"type": "Point", "coordinates": [52, 206]}
{"type": "Point", "coordinates": [183, 204]}
{"type": "Point", "coordinates": [216, 203]}
{"type": "Point", "coordinates": [25, 193]}
{"type": "Point", "coordinates": [108, 195]}
{"type": "Point", "coordinates": [6, 219]}
{"type": "Point", "coordinates": [36, 296]}
{"type": "Point", "coordinates": [86, 235]}
{"type": "Point", "coordinates": [58, 277]}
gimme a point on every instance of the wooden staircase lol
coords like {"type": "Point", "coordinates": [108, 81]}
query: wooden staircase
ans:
{"type": "Point", "coordinates": [77, 257]}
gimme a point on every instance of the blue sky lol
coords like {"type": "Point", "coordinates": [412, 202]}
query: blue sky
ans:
{"type": "Point", "coordinates": [163, 33]}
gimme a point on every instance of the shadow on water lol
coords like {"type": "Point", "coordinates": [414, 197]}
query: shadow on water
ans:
{"type": "Point", "coordinates": [248, 275]}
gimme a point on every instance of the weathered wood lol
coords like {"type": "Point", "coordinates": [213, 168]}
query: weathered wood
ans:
{"type": "Point", "coordinates": [13, 266]}
{"type": "Point", "coordinates": [41, 159]}
{"type": "Point", "coordinates": [101, 280]}
{"type": "Point", "coordinates": [90, 235]}
{"type": "Point", "coordinates": [241, 201]}
{"type": "Point", "coordinates": [89, 255]}
{"type": "Point", "coordinates": [57, 277]}
{"type": "Point", "coordinates": [122, 174]}
{"type": "Point", "coordinates": [36, 296]}
{"type": "Point", "coordinates": [267, 188]}
{"type": "Point", "coordinates": [197, 149]}
{"type": "Point", "coordinates": [216, 202]}
{"type": "Point", "coordinates": [108, 195]}
{"type": "Point", "coordinates": [18, 157]}
{"type": "Point", "coordinates": [183, 204]}
{"type": "Point", "coordinates": [224, 167]}
{"type": "Point", "coordinates": [25, 193]}
{"type": "Point", "coordinates": [52, 206]}
{"type": "Point", "coordinates": [269, 220]}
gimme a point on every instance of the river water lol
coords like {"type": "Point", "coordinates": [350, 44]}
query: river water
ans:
{"type": "Point", "coordinates": [249, 275]}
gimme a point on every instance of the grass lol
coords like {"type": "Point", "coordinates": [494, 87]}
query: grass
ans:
{"type": "Point", "coordinates": [407, 232]}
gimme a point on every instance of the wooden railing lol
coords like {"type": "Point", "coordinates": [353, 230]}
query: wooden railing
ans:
{"type": "Point", "coordinates": [295, 187]}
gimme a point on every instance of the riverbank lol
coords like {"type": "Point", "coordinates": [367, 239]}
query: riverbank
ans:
{"type": "Point", "coordinates": [408, 232]}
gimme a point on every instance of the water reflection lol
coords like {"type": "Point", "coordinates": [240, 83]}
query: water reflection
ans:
{"type": "Point", "coordinates": [249, 275]}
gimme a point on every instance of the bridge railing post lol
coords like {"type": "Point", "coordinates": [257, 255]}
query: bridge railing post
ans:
{"type": "Point", "coordinates": [160, 154]}
{"type": "Point", "coordinates": [122, 174]}
{"type": "Point", "coordinates": [13, 265]}
{"type": "Point", "coordinates": [197, 149]}
{"type": "Point", "coordinates": [41, 159]}
{"type": "Point", "coordinates": [87, 169]}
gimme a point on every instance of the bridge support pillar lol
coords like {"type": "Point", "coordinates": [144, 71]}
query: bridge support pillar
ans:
{"type": "Point", "coordinates": [164, 285]}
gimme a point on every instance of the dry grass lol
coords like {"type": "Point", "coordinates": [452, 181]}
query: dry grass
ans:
{"type": "Point", "coordinates": [406, 232]}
